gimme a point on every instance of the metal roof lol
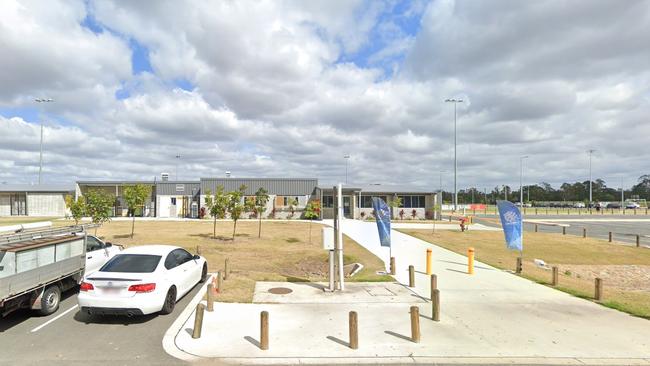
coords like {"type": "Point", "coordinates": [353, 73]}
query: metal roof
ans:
{"type": "Point", "coordinates": [274, 186]}
{"type": "Point", "coordinates": [113, 182]}
{"type": "Point", "coordinates": [177, 188]}
{"type": "Point", "coordinates": [380, 188]}
{"type": "Point", "coordinates": [36, 188]}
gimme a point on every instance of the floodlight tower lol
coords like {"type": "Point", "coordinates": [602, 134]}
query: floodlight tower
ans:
{"type": "Point", "coordinates": [455, 101]}
{"type": "Point", "coordinates": [40, 159]}
{"type": "Point", "coordinates": [590, 151]}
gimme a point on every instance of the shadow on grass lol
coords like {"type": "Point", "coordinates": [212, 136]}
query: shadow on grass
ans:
{"type": "Point", "coordinates": [209, 236]}
{"type": "Point", "coordinates": [295, 279]}
{"type": "Point", "coordinates": [122, 236]}
{"type": "Point", "coordinates": [292, 240]}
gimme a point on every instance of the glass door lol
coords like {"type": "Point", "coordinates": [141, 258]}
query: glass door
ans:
{"type": "Point", "coordinates": [18, 204]}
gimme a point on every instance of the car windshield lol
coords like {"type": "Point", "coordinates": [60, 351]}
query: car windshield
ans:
{"type": "Point", "coordinates": [132, 263]}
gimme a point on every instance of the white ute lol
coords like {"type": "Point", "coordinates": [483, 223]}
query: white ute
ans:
{"type": "Point", "coordinates": [142, 280]}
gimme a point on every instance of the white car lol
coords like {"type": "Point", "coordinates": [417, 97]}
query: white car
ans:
{"type": "Point", "coordinates": [98, 253]}
{"type": "Point", "coordinates": [142, 280]}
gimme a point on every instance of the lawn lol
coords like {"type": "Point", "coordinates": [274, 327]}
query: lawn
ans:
{"type": "Point", "coordinates": [15, 220]}
{"type": "Point", "coordinates": [283, 253]}
{"type": "Point", "coordinates": [624, 269]}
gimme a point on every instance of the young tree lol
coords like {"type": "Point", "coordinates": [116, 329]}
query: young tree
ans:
{"type": "Point", "coordinates": [292, 206]}
{"type": "Point", "coordinates": [99, 204]}
{"type": "Point", "coordinates": [394, 203]}
{"type": "Point", "coordinates": [312, 211]}
{"type": "Point", "coordinates": [135, 197]}
{"type": "Point", "coordinates": [261, 199]}
{"type": "Point", "coordinates": [217, 205]}
{"type": "Point", "coordinates": [77, 208]}
{"type": "Point", "coordinates": [236, 206]}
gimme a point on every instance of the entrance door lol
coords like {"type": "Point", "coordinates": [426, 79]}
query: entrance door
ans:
{"type": "Point", "coordinates": [18, 204]}
{"type": "Point", "coordinates": [346, 207]}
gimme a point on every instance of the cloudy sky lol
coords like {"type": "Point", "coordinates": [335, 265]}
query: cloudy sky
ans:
{"type": "Point", "coordinates": [287, 88]}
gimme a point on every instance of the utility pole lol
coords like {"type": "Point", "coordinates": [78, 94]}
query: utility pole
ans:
{"type": "Point", "coordinates": [347, 158]}
{"type": "Point", "coordinates": [590, 151]}
{"type": "Point", "coordinates": [40, 158]}
{"type": "Point", "coordinates": [521, 178]}
{"type": "Point", "coordinates": [455, 101]}
{"type": "Point", "coordinates": [178, 158]}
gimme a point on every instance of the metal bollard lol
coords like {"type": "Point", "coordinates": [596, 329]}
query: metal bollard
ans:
{"type": "Point", "coordinates": [563, 230]}
{"type": "Point", "coordinates": [556, 276]}
{"type": "Point", "coordinates": [354, 330]}
{"type": "Point", "coordinates": [428, 261]}
{"type": "Point", "coordinates": [264, 330]}
{"type": "Point", "coordinates": [415, 324]}
{"type": "Point", "coordinates": [226, 269]}
{"type": "Point", "coordinates": [392, 266]}
{"type": "Point", "coordinates": [599, 289]}
{"type": "Point", "coordinates": [470, 260]}
{"type": "Point", "coordinates": [435, 305]}
{"type": "Point", "coordinates": [210, 293]}
{"type": "Point", "coordinates": [584, 232]}
{"type": "Point", "coordinates": [411, 276]}
{"type": "Point", "coordinates": [519, 265]}
{"type": "Point", "coordinates": [610, 236]}
{"type": "Point", "coordinates": [638, 241]}
{"type": "Point", "coordinates": [198, 321]}
{"type": "Point", "coordinates": [535, 227]}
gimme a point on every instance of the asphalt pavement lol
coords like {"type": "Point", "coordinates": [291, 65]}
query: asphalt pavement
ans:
{"type": "Point", "coordinates": [70, 337]}
{"type": "Point", "coordinates": [624, 227]}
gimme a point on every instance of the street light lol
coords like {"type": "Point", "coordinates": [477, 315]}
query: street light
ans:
{"type": "Point", "coordinates": [590, 151]}
{"type": "Point", "coordinates": [442, 171]}
{"type": "Point", "coordinates": [521, 179]}
{"type": "Point", "coordinates": [178, 158]}
{"type": "Point", "coordinates": [347, 158]}
{"type": "Point", "coordinates": [455, 101]}
{"type": "Point", "coordinates": [40, 158]}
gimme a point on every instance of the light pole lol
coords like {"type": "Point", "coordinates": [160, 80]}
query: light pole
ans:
{"type": "Point", "coordinates": [178, 158]}
{"type": "Point", "coordinates": [521, 179]}
{"type": "Point", "coordinates": [455, 101]}
{"type": "Point", "coordinates": [40, 158]}
{"type": "Point", "coordinates": [590, 151]}
{"type": "Point", "coordinates": [347, 158]}
{"type": "Point", "coordinates": [442, 171]}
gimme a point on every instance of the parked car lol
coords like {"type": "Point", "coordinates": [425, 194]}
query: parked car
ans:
{"type": "Point", "coordinates": [142, 280]}
{"type": "Point", "coordinates": [632, 205]}
{"type": "Point", "coordinates": [614, 205]}
{"type": "Point", "coordinates": [36, 266]}
{"type": "Point", "coordinates": [579, 205]}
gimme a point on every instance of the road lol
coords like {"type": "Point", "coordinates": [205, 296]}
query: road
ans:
{"type": "Point", "coordinates": [75, 338]}
{"type": "Point", "coordinates": [624, 227]}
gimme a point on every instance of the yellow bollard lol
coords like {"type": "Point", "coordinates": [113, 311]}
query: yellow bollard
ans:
{"type": "Point", "coordinates": [470, 260]}
{"type": "Point", "coordinates": [428, 261]}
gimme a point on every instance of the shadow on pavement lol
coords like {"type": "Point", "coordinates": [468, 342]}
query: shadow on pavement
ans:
{"type": "Point", "coordinates": [253, 341]}
{"type": "Point", "coordinates": [398, 335]}
{"type": "Point", "coordinates": [112, 319]}
{"type": "Point", "coordinates": [464, 264]}
{"type": "Point", "coordinates": [21, 315]}
{"type": "Point", "coordinates": [339, 341]}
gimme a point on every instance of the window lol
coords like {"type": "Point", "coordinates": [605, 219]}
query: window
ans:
{"type": "Point", "coordinates": [328, 201]}
{"type": "Point", "coordinates": [288, 201]}
{"type": "Point", "coordinates": [412, 201]}
{"type": "Point", "coordinates": [366, 201]}
{"type": "Point", "coordinates": [93, 244]}
{"type": "Point", "coordinates": [173, 201]}
{"type": "Point", "coordinates": [182, 256]}
{"type": "Point", "coordinates": [132, 263]}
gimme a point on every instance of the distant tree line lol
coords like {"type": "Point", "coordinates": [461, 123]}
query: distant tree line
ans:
{"type": "Point", "coordinates": [544, 192]}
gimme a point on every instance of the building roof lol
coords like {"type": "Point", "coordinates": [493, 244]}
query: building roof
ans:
{"type": "Point", "coordinates": [381, 188]}
{"type": "Point", "coordinates": [36, 188]}
{"type": "Point", "coordinates": [114, 182]}
{"type": "Point", "coordinates": [274, 186]}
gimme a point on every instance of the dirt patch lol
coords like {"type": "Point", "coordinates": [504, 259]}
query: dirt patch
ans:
{"type": "Point", "coordinates": [625, 277]}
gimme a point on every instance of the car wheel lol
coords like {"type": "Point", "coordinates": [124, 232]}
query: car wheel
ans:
{"type": "Point", "coordinates": [204, 273]}
{"type": "Point", "coordinates": [170, 301]}
{"type": "Point", "coordinates": [50, 300]}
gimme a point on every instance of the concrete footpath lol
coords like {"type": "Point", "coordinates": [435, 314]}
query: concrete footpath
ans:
{"type": "Point", "coordinates": [492, 317]}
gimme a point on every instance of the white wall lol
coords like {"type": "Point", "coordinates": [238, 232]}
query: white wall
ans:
{"type": "Point", "coordinates": [46, 204]}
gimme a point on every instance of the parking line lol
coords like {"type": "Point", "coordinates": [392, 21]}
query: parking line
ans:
{"type": "Point", "coordinates": [55, 318]}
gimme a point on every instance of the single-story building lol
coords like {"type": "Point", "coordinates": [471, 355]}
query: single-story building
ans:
{"type": "Point", "coordinates": [177, 199]}
{"type": "Point", "coordinates": [116, 189]}
{"type": "Point", "coordinates": [357, 201]}
{"type": "Point", "coordinates": [34, 200]}
{"type": "Point", "coordinates": [287, 196]}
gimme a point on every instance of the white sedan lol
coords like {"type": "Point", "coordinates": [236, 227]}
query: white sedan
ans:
{"type": "Point", "coordinates": [142, 280]}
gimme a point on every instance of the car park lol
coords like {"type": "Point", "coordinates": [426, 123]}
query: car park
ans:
{"type": "Point", "coordinates": [142, 280]}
